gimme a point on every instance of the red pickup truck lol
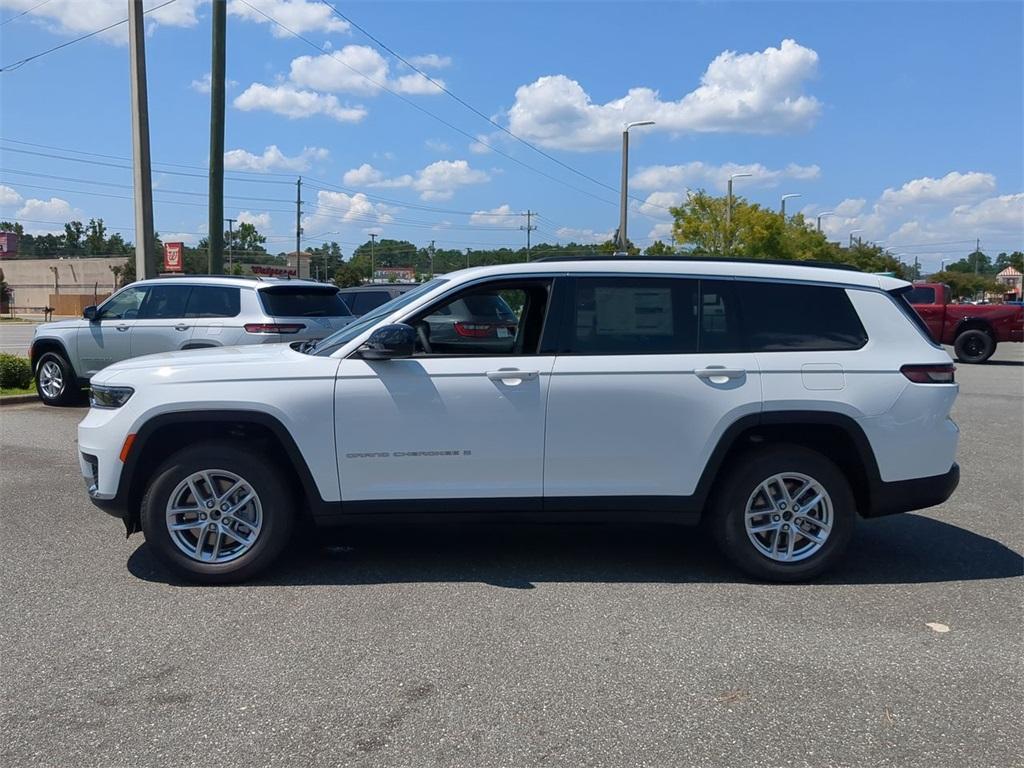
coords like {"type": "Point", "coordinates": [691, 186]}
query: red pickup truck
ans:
{"type": "Point", "coordinates": [972, 329]}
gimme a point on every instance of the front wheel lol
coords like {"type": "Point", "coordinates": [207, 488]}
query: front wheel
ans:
{"type": "Point", "coordinates": [974, 346]}
{"type": "Point", "coordinates": [217, 512]}
{"type": "Point", "coordinates": [784, 513]}
{"type": "Point", "coordinates": [56, 383]}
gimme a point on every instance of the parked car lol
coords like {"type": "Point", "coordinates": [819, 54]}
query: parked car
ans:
{"type": "Point", "coordinates": [974, 330]}
{"type": "Point", "coordinates": [776, 403]}
{"type": "Point", "coordinates": [181, 313]}
{"type": "Point", "coordinates": [366, 298]}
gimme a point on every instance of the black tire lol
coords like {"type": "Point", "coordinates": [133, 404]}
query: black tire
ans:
{"type": "Point", "coordinates": [275, 497]}
{"type": "Point", "coordinates": [974, 346]}
{"type": "Point", "coordinates": [69, 392]}
{"type": "Point", "coordinates": [744, 476]}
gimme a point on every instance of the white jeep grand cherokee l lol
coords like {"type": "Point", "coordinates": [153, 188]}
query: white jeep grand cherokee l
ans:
{"type": "Point", "coordinates": [775, 403]}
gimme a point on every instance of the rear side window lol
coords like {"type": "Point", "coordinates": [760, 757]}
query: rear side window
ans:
{"type": "Point", "coordinates": [213, 301]}
{"type": "Point", "coordinates": [303, 301]}
{"type": "Point", "coordinates": [362, 302]}
{"type": "Point", "coordinates": [635, 316]}
{"type": "Point", "coordinates": [921, 294]}
{"type": "Point", "coordinates": [789, 316]}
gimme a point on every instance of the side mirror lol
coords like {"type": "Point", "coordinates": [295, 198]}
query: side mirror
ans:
{"type": "Point", "coordinates": [389, 342]}
{"type": "Point", "coordinates": [89, 313]}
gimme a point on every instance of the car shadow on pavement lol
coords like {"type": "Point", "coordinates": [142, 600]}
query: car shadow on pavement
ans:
{"type": "Point", "coordinates": [904, 549]}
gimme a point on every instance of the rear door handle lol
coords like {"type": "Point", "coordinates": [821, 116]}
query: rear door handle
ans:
{"type": "Point", "coordinates": [711, 372]}
{"type": "Point", "coordinates": [511, 375]}
{"type": "Point", "coordinates": [181, 327]}
{"type": "Point", "coordinates": [123, 327]}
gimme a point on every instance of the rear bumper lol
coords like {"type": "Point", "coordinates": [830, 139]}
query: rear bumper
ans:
{"type": "Point", "coordinates": [919, 493]}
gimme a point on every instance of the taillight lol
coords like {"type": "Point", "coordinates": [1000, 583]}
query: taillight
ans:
{"type": "Point", "coordinates": [929, 374]}
{"type": "Point", "coordinates": [474, 330]}
{"type": "Point", "coordinates": [273, 327]}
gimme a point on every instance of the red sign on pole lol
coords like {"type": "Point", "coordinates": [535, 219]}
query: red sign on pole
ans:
{"type": "Point", "coordinates": [174, 254]}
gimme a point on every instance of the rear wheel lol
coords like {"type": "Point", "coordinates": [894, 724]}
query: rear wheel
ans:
{"type": "Point", "coordinates": [974, 346]}
{"type": "Point", "coordinates": [56, 383]}
{"type": "Point", "coordinates": [784, 513]}
{"type": "Point", "coordinates": [217, 513]}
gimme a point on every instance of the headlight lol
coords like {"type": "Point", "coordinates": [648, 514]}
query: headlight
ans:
{"type": "Point", "coordinates": [109, 397]}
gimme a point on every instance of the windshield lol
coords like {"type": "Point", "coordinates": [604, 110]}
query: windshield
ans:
{"type": "Point", "coordinates": [330, 344]}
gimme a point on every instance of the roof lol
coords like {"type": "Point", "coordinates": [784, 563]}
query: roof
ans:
{"type": "Point", "coordinates": [1009, 272]}
{"type": "Point", "coordinates": [241, 282]}
{"type": "Point", "coordinates": [692, 267]}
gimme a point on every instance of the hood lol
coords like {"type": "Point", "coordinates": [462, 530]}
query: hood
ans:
{"type": "Point", "coordinates": [216, 363]}
{"type": "Point", "coordinates": [60, 325]}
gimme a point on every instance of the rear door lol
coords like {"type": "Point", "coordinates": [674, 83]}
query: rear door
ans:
{"type": "Point", "coordinates": [314, 311]}
{"type": "Point", "coordinates": [161, 326]}
{"type": "Point", "coordinates": [107, 339]}
{"type": "Point", "coordinates": [648, 376]}
{"type": "Point", "coordinates": [213, 312]}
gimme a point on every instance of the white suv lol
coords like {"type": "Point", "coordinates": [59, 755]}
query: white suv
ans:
{"type": "Point", "coordinates": [775, 403]}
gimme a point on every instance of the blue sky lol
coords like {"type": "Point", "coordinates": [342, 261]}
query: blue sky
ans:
{"type": "Point", "coordinates": [904, 118]}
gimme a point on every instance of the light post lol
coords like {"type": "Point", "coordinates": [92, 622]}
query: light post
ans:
{"type": "Point", "coordinates": [373, 242]}
{"type": "Point", "coordinates": [852, 233]}
{"type": "Point", "coordinates": [942, 265]}
{"type": "Point", "coordinates": [782, 209]}
{"type": "Point", "coordinates": [623, 190]}
{"type": "Point", "coordinates": [823, 213]}
{"type": "Point", "coordinates": [728, 211]}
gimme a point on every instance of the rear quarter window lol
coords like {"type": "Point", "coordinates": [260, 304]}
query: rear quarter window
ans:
{"type": "Point", "coordinates": [778, 317]}
{"type": "Point", "coordinates": [920, 294]}
{"type": "Point", "coordinates": [303, 301]}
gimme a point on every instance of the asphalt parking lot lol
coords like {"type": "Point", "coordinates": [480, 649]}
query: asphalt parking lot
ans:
{"type": "Point", "coordinates": [517, 646]}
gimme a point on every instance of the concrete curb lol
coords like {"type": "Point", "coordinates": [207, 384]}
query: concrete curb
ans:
{"type": "Point", "coordinates": [17, 399]}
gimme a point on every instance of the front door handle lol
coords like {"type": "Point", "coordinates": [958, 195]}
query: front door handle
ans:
{"type": "Point", "coordinates": [512, 376]}
{"type": "Point", "coordinates": [123, 327]}
{"type": "Point", "coordinates": [715, 373]}
{"type": "Point", "coordinates": [181, 327]}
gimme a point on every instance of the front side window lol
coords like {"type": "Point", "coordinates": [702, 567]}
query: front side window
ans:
{"type": "Point", "coordinates": [125, 305]}
{"type": "Point", "coordinates": [791, 316]}
{"type": "Point", "coordinates": [633, 316]}
{"type": "Point", "coordinates": [213, 301]}
{"type": "Point", "coordinates": [493, 320]}
{"type": "Point", "coordinates": [165, 302]}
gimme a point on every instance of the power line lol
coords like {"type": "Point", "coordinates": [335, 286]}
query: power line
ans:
{"type": "Point", "coordinates": [18, 16]}
{"type": "Point", "coordinates": [27, 59]}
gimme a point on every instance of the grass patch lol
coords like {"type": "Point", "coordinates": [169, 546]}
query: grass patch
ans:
{"type": "Point", "coordinates": [4, 391]}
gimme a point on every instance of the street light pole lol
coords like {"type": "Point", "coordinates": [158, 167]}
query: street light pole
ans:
{"type": "Point", "coordinates": [231, 242]}
{"type": "Point", "coordinates": [623, 188]}
{"type": "Point", "coordinates": [852, 233]}
{"type": "Point", "coordinates": [782, 208]}
{"type": "Point", "coordinates": [823, 213]}
{"type": "Point", "coordinates": [728, 211]}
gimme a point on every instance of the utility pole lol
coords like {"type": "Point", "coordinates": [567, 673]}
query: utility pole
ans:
{"type": "Point", "coordinates": [231, 242]}
{"type": "Point", "coordinates": [298, 224]}
{"type": "Point", "coordinates": [529, 228]}
{"type": "Point", "coordinates": [431, 259]}
{"type": "Point", "coordinates": [977, 254]}
{"type": "Point", "coordinates": [467, 258]}
{"type": "Point", "coordinates": [145, 258]}
{"type": "Point", "coordinates": [215, 254]}
{"type": "Point", "coordinates": [373, 242]}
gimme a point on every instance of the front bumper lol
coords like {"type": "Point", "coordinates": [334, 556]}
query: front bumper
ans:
{"type": "Point", "coordinates": [919, 493]}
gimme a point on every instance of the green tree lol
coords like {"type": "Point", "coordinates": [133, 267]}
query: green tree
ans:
{"type": "Point", "coordinates": [966, 284]}
{"type": "Point", "coordinates": [347, 276]}
{"type": "Point", "coordinates": [658, 248]}
{"type": "Point", "coordinates": [1004, 260]}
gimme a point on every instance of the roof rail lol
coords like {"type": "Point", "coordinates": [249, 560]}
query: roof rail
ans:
{"type": "Point", "coordinates": [713, 259]}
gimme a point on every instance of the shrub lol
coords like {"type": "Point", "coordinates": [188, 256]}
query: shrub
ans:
{"type": "Point", "coordinates": [15, 372]}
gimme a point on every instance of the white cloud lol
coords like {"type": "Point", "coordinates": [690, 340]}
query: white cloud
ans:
{"type": "Point", "coordinates": [259, 220]}
{"type": "Point", "coordinates": [661, 231]}
{"type": "Point", "coordinates": [202, 84]}
{"type": "Point", "coordinates": [699, 174]}
{"type": "Point", "coordinates": [361, 176]}
{"type": "Point", "coordinates": [334, 209]}
{"type": "Point", "coordinates": [75, 17]}
{"type": "Point", "coordinates": [759, 92]}
{"type": "Point", "coordinates": [481, 145]}
{"type": "Point", "coordinates": [431, 61]}
{"type": "Point", "coordinates": [582, 235]}
{"type": "Point", "coordinates": [436, 145]}
{"type": "Point", "coordinates": [298, 15]}
{"type": "Point", "coordinates": [293, 104]}
{"type": "Point", "coordinates": [1003, 213]}
{"type": "Point", "coordinates": [502, 216]}
{"type": "Point", "coordinates": [189, 238]}
{"type": "Point", "coordinates": [273, 159]}
{"type": "Point", "coordinates": [437, 181]}
{"type": "Point", "coordinates": [354, 69]}
{"type": "Point", "coordinates": [9, 196]}
{"type": "Point", "coordinates": [952, 186]}
{"type": "Point", "coordinates": [55, 209]}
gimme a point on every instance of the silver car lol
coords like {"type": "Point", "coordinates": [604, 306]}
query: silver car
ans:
{"type": "Point", "coordinates": [171, 314]}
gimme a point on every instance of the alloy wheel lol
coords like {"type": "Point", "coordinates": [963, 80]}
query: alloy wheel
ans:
{"type": "Point", "coordinates": [214, 516]}
{"type": "Point", "coordinates": [788, 517]}
{"type": "Point", "coordinates": [51, 379]}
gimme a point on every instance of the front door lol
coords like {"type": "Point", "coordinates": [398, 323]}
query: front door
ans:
{"type": "Point", "coordinates": [162, 325]}
{"type": "Point", "coordinates": [461, 423]}
{"type": "Point", "coordinates": [107, 339]}
{"type": "Point", "coordinates": [646, 381]}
